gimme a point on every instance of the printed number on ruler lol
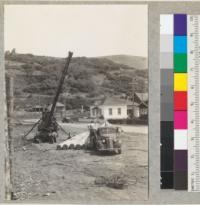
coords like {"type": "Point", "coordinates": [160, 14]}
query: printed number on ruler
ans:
{"type": "Point", "coordinates": [193, 22]}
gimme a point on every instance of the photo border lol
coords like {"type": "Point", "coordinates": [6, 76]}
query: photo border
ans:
{"type": "Point", "coordinates": [156, 195]}
{"type": "Point", "coordinates": [4, 136]}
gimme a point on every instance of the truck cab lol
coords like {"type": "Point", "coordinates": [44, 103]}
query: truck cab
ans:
{"type": "Point", "coordinates": [105, 140]}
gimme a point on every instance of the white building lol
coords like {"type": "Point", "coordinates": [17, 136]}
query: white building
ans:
{"type": "Point", "coordinates": [110, 109]}
{"type": "Point", "coordinates": [140, 108]}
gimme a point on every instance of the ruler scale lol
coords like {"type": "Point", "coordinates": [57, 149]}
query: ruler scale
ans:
{"type": "Point", "coordinates": [193, 103]}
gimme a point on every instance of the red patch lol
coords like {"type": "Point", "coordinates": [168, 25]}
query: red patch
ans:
{"type": "Point", "coordinates": [180, 100]}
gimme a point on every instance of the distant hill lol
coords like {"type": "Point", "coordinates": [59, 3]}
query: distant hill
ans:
{"type": "Point", "coordinates": [137, 62]}
{"type": "Point", "coordinates": [36, 79]}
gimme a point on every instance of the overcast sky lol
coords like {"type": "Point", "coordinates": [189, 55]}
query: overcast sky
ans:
{"type": "Point", "coordinates": [87, 30]}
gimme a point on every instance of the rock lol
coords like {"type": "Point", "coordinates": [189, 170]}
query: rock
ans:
{"type": "Point", "coordinates": [46, 194]}
{"type": "Point", "coordinates": [100, 180]}
{"type": "Point", "coordinates": [14, 196]}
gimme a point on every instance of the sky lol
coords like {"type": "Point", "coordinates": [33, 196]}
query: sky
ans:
{"type": "Point", "coordinates": [87, 30]}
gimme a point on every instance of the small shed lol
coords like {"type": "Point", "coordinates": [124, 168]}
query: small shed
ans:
{"type": "Point", "coordinates": [36, 108]}
{"type": "Point", "coordinates": [60, 110]}
{"type": "Point", "coordinates": [140, 105]}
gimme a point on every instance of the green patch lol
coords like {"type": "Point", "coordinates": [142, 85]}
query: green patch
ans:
{"type": "Point", "coordinates": [180, 63]}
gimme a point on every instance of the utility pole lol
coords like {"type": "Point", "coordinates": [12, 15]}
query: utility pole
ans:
{"type": "Point", "coordinates": [134, 83]}
{"type": "Point", "coordinates": [10, 94]}
{"type": "Point", "coordinates": [9, 144]}
{"type": "Point", "coordinates": [120, 80]}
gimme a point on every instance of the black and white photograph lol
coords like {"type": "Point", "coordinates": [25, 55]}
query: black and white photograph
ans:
{"type": "Point", "coordinates": [77, 102]}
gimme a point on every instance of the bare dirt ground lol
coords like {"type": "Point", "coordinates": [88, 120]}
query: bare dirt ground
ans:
{"type": "Point", "coordinates": [40, 172]}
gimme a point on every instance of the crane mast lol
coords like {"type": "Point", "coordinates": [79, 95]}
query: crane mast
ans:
{"type": "Point", "coordinates": [47, 131]}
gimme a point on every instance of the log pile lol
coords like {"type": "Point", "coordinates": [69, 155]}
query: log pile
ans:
{"type": "Point", "coordinates": [76, 142]}
{"type": "Point", "coordinates": [79, 141]}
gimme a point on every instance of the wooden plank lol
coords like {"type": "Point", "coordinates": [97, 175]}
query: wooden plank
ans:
{"type": "Point", "coordinates": [9, 144]}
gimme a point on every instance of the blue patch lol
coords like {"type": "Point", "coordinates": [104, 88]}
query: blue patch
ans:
{"type": "Point", "coordinates": [180, 44]}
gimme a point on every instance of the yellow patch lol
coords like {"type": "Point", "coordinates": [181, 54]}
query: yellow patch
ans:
{"type": "Point", "coordinates": [180, 81]}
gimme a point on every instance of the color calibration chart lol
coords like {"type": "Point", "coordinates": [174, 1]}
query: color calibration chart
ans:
{"type": "Point", "coordinates": [180, 101]}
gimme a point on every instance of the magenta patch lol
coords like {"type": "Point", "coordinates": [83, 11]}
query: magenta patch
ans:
{"type": "Point", "coordinates": [180, 120]}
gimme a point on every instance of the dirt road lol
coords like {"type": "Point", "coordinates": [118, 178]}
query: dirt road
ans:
{"type": "Point", "coordinates": [40, 172]}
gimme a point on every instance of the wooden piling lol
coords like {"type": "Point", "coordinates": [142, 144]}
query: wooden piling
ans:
{"type": "Point", "coordinates": [9, 143]}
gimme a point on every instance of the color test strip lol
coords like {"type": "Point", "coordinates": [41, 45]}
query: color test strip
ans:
{"type": "Point", "coordinates": [180, 101]}
{"type": "Point", "coordinates": [166, 122]}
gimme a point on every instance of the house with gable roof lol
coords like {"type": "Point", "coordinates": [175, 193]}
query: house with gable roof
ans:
{"type": "Point", "coordinates": [115, 108]}
{"type": "Point", "coordinates": [140, 106]}
{"type": "Point", "coordinates": [111, 108]}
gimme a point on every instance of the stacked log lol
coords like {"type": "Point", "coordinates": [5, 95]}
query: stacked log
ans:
{"type": "Point", "coordinates": [76, 142]}
{"type": "Point", "coordinates": [79, 141]}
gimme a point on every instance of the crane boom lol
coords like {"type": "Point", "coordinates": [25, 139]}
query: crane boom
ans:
{"type": "Point", "coordinates": [58, 91]}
